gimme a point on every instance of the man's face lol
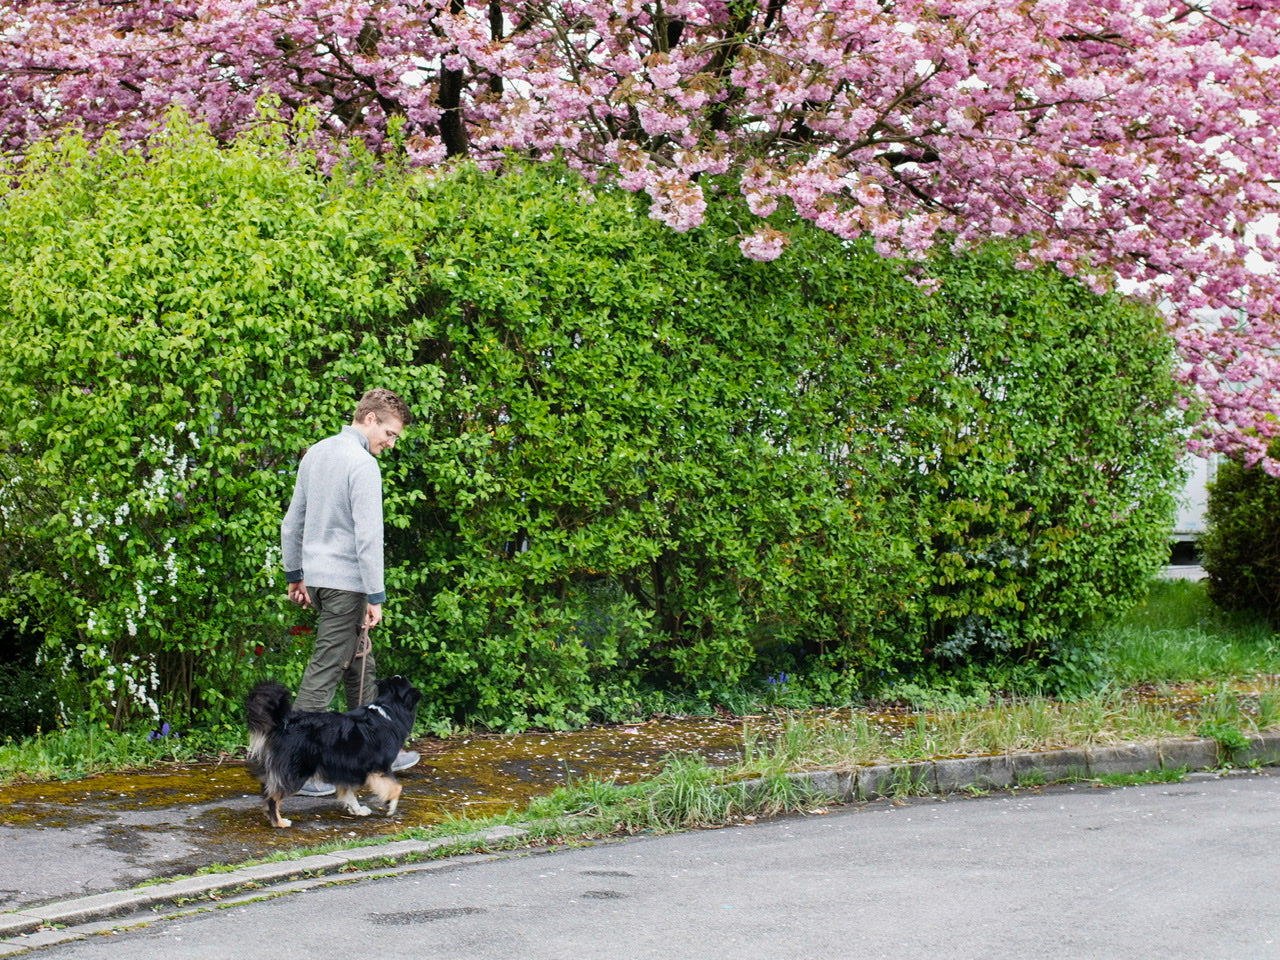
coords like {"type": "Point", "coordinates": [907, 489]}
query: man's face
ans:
{"type": "Point", "coordinates": [381, 433]}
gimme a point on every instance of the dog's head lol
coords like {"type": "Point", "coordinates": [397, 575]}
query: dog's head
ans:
{"type": "Point", "coordinates": [399, 690]}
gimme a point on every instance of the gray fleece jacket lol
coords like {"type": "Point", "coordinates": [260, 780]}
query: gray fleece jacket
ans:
{"type": "Point", "coordinates": [332, 533]}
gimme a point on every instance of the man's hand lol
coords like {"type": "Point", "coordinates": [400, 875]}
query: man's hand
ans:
{"type": "Point", "coordinates": [372, 615]}
{"type": "Point", "coordinates": [298, 594]}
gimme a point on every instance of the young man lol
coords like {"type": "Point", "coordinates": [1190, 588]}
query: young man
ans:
{"type": "Point", "coordinates": [332, 542]}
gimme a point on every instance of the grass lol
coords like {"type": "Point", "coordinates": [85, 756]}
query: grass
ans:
{"type": "Point", "coordinates": [76, 752]}
{"type": "Point", "coordinates": [1004, 726]}
{"type": "Point", "coordinates": [1177, 635]}
{"type": "Point", "coordinates": [1171, 775]}
{"type": "Point", "coordinates": [688, 792]}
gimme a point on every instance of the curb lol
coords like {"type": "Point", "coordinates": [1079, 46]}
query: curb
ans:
{"type": "Point", "coordinates": [1003, 771]}
{"type": "Point", "coordinates": [27, 929]}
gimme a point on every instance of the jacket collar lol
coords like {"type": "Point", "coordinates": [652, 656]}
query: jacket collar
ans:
{"type": "Point", "coordinates": [350, 431]}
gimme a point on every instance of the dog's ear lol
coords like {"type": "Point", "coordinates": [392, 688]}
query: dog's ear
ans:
{"type": "Point", "coordinates": [404, 690]}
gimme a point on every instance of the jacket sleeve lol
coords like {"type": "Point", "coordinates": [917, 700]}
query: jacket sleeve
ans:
{"type": "Point", "coordinates": [292, 527]}
{"type": "Point", "coordinates": [366, 512]}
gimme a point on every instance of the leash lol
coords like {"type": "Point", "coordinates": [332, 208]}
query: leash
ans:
{"type": "Point", "coordinates": [363, 646]}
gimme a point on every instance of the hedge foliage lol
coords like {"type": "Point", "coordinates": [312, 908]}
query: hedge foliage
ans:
{"type": "Point", "coordinates": [640, 459]}
{"type": "Point", "coordinates": [169, 321]}
{"type": "Point", "coordinates": [1240, 548]}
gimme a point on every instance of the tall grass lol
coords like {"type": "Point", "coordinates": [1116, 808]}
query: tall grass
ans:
{"type": "Point", "coordinates": [1177, 635]}
{"type": "Point", "coordinates": [687, 792]}
{"type": "Point", "coordinates": [80, 751]}
{"type": "Point", "coordinates": [1003, 726]}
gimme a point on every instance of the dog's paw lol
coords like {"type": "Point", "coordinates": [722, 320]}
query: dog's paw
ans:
{"type": "Point", "coordinates": [283, 822]}
{"type": "Point", "coordinates": [360, 810]}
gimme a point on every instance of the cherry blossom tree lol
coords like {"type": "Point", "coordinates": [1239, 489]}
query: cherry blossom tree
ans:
{"type": "Point", "coordinates": [1130, 141]}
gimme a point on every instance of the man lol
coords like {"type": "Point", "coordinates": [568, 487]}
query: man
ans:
{"type": "Point", "coordinates": [332, 542]}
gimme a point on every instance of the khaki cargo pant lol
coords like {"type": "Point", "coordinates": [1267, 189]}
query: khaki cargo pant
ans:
{"type": "Point", "coordinates": [339, 618]}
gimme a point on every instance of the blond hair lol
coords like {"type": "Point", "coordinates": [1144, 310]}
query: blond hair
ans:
{"type": "Point", "coordinates": [381, 402]}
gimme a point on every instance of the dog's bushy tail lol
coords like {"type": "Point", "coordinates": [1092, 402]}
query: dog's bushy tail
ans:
{"type": "Point", "coordinates": [265, 709]}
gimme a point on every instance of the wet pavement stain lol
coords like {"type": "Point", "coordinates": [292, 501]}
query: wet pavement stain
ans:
{"type": "Point", "coordinates": [424, 916]}
{"type": "Point", "coordinates": [214, 810]}
{"type": "Point", "coordinates": [485, 775]}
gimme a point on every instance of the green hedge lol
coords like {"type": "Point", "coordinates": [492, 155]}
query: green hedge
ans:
{"type": "Point", "coordinates": [177, 329]}
{"type": "Point", "coordinates": [641, 458]}
{"type": "Point", "coordinates": [1240, 548]}
{"type": "Point", "coordinates": [1050, 461]}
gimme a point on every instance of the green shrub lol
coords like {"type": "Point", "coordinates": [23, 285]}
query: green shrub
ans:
{"type": "Point", "coordinates": [28, 703]}
{"type": "Point", "coordinates": [1045, 455]}
{"type": "Point", "coordinates": [640, 458]}
{"type": "Point", "coordinates": [632, 471]}
{"type": "Point", "coordinates": [1240, 548]}
{"type": "Point", "coordinates": [178, 327]}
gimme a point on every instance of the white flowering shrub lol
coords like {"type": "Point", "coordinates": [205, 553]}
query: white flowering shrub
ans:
{"type": "Point", "coordinates": [177, 328]}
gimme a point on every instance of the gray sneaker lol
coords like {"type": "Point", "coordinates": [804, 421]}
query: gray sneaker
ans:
{"type": "Point", "coordinates": [315, 787]}
{"type": "Point", "coordinates": [404, 760]}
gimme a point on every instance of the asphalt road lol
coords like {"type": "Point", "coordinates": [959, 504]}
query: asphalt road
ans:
{"type": "Point", "coordinates": [1186, 870]}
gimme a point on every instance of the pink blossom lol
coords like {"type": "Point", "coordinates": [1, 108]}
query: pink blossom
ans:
{"type": "Point", "coordinates": [764, 245]}
{"type": "Point", "coordinates": [1137, 139]}
{"type": "Point", "coordinates": [676, 202]}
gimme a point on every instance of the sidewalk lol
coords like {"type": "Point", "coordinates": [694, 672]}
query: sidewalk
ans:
{"type": "Point", "coordinates": [104, 854]}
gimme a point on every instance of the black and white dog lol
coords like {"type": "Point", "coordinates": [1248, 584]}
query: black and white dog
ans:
{"type": "Point", "coordinates": [352, 750]}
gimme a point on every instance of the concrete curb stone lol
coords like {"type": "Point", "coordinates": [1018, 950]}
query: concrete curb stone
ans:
{"type": "Point", "coordinates": [18, 923]}
{"type": "Point", "coordinates": [873, 782]}
{"type": "Point", "coordinates": [1264, 750]}
{"type": "Point", "coordinates": [1000, 772]}
{"type": "Point", "coordinates": [1050, 765]}
{"type": "Point", "coordinates": [955, 774]}
{"type": "Point", "coordinates": [1122, 758]}
{"type": "Point", "coordinates": [282, 870]}
{"type": "Point", "coordinates": [823, 783]}
{"type": "Point", "coordinates": [914, 779]}
{"type": "Point", "coordinates": [35, 940]}
{"type": "Point", "coordinates": [1193, 754]}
